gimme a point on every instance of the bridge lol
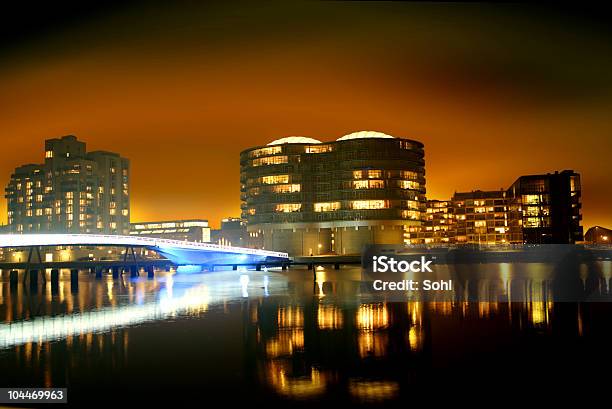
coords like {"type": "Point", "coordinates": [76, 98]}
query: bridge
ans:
{"type": "Point", "coordinates": [178, 252]}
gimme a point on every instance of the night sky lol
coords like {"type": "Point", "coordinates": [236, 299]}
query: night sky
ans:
{"type": "Point", "coordinates": [493, 92]}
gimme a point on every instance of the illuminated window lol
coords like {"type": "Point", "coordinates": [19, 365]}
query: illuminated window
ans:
{"type": "Point", "coordinates": [125, 212]}
{"type": "Point", "coordinates": [408, 174]}
{"type": "Point", "coordinates": [288, 207]}
{"type": "Point", "coordinates": [48, 154]}
{"type": "Point", "coordinates": [368, 184]}
{"type": "Point", "coordinates": [480, 223]}
{"type": "Point", "coordinates": [531, 222]}
{"type": "Point", "coordinates": [408, 184]}
{"type": "Point", "coordinates": [326, 206]}
{"type": "Point", "coordinates": [272, 180]}
{"type": "Point", "coordinates": [286, 188]}
{"type": "Point", "coordinates": [318, 149]}
{"type": "Point", "coordinates": [369, 204]}
{"type": "Point", "coordinates": [251, 211]}
{"type": "Point", "coordinates": [531, 211]}
{"type": "Point", "coordinates": [69, 195]}
{"type": "Point", "coordinates": [410, 214]}
{"type": "Point", "coordinates": [270, 160]}
{"type": "Point", "coordinates": [479, 209]}
{"type": "Point", "coordinates": [271, 150]}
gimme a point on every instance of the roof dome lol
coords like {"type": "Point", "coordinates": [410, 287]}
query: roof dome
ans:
{"type": "Point", "coordinates": [365, 134]}
{"type": "Point", "coordinates": [293, 139]}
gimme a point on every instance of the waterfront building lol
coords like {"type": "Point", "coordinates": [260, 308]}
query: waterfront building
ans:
{"type": "Point", "coordinates": [73, 191]}
{"type": "Point", "coordinates": [233, 232]}
{"type": "Point", "coordinates": [308, 197]}
{"type": "Point", "coordinates": [196, 230]}
{"type": "Point", "coordinates": [598, 235]}
{"type": "Point", "coordinates": [438, 225]}
{"type": "Point", "coordinates": [481, 217]}
{"type": "Point", "coordinates": [546, 208]}
{"type": "Point", "coordinates": [535, 209]}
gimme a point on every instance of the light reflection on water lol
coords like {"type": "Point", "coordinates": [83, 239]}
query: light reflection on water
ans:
{"type": "Point", "coordinates": [285, 335]}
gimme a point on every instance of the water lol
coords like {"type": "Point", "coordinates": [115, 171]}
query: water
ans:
{"type": "Point", "coordinates": [278, 337]}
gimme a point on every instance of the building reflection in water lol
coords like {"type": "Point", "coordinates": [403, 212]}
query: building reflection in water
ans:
{"type": "Point", "coordinates": [298, 343]}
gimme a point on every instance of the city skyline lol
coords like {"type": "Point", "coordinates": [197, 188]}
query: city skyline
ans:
{"type": "Point", "coordinates": [493, 92]}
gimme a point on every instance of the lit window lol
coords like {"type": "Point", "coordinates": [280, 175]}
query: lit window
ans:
{"type": "Point", "coordinates": [272, 150]}
{"type": "Point", "coordinates": [408, 184]}
{"type": "Point", "coordinates": [370, 204]}
{"type": "Point", "coordinates": [532, 199]}
{"type": "Point", "coordinates": [48, 154]}
{"type": "Point", "coordinates": [326, 206]}
{"type": "Point", "coordinates": [286, 188]}
{"type": "Point", "coordinates": [368, 184]}
{"type": "Point", "coordinates": [288, 207]}
{"type": "Point", "coordinates": [407, 174]}
{"type": "Point", "coordinates": [318, 149]}
{"type": "Point", "coordinates": [272, 180]}
{"type": "Point", "coordinates": [270, 160]}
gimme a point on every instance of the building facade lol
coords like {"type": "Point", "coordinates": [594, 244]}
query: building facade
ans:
{"type": "Point", "coordinates": [438, 225]}
{"type": "Point", "coordinates": [481, 217]}
{"type": "Point", "coordinates": [196, 230]}
{"type": "Point", "coordinates": [233, 232]}
{"type": "Point", "coordinates": [536, 209]}
{"type": "Point", "coordinates": [308, 197]}
{"type": "Point", "coordinates": [598, 235]}
{"type": "Point", "coordinates": [546, 209]}
{"type": "Point", "coordinates": [73, 191]}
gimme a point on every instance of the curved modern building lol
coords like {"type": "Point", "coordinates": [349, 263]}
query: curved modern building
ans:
{"type": "Point", "coordinates": [307, 197]}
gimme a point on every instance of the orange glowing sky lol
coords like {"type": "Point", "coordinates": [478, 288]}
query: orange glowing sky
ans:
{"type": "Point", "coordinates": [493, 92]}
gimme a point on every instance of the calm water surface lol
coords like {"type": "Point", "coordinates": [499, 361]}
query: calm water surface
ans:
{"type": "Point", "coordinates": [278, 337]}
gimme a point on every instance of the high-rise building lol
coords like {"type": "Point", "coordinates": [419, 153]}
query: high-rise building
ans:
{"type": "Point", "coordinates": [308, 197]}
{"type": "Point", "coordinates": [546, 208]}
{"type": "Point", "coordinates": [73, 191]}
{"type": "Point", "coordinates": [196, 230]}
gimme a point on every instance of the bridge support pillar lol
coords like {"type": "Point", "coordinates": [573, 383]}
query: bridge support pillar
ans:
{"type": "Point", "coordinates": [33, 279]}
{"type": "Point", "coordinates": [98, 272]}
{"type": "Point", "coordinates": [54, 281]}
{"type": "Point", "coordinates": [258, 267]}
{"type": "Point", "coordinates": [337, 266]}
{"type": "Point", "coordinates": [284, 267]}
{"type": "Point", "coordinates": [14, 278]}
{"type": "Point", "coordinates": [235, 267]}
{"type": "Point", "coordinates": [74, 280]}
{"type": "Point", "coordinates": [115, 271]}
{"type": "Point", "coordinates": [134, 271]}
{"type": "Point", "coordinates": [150, 271]}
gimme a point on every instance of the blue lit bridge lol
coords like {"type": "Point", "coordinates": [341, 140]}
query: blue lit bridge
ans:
{"type": "Point", "coordinates": [179, 253]}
